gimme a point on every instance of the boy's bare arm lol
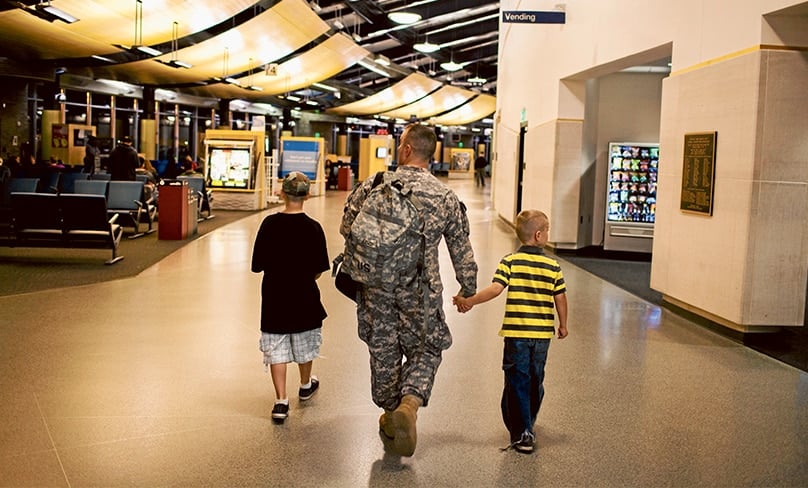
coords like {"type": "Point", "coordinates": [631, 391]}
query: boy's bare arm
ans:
{"type": "Point", "coordinates": [561, 310]}
{"type": "Point", "coordinates": [465, 304]}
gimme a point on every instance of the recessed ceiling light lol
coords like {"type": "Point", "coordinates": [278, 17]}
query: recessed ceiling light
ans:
{"type": "Point", "coordinates": [477, 80]}
{"type": "Point", "coordinates": [404, 18]}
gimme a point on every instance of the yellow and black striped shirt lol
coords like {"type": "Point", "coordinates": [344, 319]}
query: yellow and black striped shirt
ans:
{"type": "Point", "coordinates": [532, 280]}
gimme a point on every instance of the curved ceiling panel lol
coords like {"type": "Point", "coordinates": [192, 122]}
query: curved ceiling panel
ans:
{"type": "Point", "coordinates": [276, 33]}
{"type": "Point", "coordinates": [408, 90]}
{"type": "Point", "coordinates": [480, 107]}
{"type": "Point", "coordinates": [316, 43]}
{"type": "Point", "coordinates": [323, 61]}
{"type": "Point", "coordinates": [438, 102]}
{"type": "Point", "coordinates": [327, 59]}
{"type": "Point", "coordinates": [114, 20]}
{"type": "Point", "coordinates": [34, 38]}
{"type": "Point", "coordinates": [103, 23]}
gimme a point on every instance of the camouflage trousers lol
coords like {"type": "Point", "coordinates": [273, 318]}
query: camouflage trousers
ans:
{"type": "Point", "coordinates": [405, 350]}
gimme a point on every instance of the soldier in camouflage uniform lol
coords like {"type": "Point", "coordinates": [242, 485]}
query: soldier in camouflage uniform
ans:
{"type": "Point", "coordinates": [400, 325]}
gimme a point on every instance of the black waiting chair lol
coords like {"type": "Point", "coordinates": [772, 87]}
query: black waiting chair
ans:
{"type": "Point", "coordinates": [14, 185]}
{"type": "Point", "coordinates": [85, 223]}
{"type": "Point", "coordinates": [17, 185]}
{"type": "Point", "coordinates": [37, 218]}
{"type": "Point", "coordinates": [68, 183]}
{"type": "Point", "coordinates": [91, 187]}
{"type": "Point", "coordinates": [125, 198]}
{"type": "Point", "coordinates": [51, 182]}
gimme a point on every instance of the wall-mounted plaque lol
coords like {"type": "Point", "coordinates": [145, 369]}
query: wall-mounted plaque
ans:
{"type": "Point", "coordinates": [698, 173]}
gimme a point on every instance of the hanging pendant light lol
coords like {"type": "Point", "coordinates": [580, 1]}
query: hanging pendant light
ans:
{"type": "Point", "coordinates": [451, 66]}
{"type": "Point", "coordinates": [426, 46]}
{"type": "Point", "coordinates": [403, 17]}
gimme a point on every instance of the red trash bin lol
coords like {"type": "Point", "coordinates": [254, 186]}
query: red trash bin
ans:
{"type": "Point", "coordinates": [345, 179]}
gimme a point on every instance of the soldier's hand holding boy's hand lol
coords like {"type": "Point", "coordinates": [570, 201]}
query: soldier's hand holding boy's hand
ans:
{"type": "Point", "coordinates": [461, 303]}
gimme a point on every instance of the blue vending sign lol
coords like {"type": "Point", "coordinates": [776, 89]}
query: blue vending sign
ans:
{"type": "Point", "coordinates": [534, 17]}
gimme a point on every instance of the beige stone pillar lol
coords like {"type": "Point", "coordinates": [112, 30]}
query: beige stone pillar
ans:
{"type": "Point", "coordinates": [746, 265]}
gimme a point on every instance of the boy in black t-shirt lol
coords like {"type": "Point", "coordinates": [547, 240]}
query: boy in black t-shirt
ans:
{"type": "Point", "coordinates": [290, 250]}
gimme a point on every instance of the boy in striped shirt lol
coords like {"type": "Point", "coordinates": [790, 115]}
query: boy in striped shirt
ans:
{"type": "Point", "coordinates": [535, 289]}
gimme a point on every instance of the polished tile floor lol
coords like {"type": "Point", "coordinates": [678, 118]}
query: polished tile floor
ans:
{"type": "Point", "coordinates": [157, 381]}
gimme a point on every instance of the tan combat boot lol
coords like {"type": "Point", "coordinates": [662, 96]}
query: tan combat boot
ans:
{"type": "Point", "coordinates": [403, 419]}
{"type": "Point", "coordinates": [386, 424]}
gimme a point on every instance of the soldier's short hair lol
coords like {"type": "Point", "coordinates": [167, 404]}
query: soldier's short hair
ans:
{"type": "Point", "coordinates": [422, 139]}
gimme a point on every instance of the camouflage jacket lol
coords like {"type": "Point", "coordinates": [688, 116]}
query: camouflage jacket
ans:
{"type": "Point", "coordinates": [445, 217]}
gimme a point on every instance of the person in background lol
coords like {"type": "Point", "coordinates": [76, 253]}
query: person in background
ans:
{"type": "Point", "coordinates": [189, 167]}
{"type": "Point", "coordinates": [5, 177]}
{"type": "Point", "coordinates": [479, 170]}
{"type": "Point", "coordinates": [16, 168]}
{"type": "Point", "coordinates": [150, 185]}
{"type": "Point", "coordinates": [123, 161]}
{"type": "Point", "coordinates": [290, 249]}
{"type": "Point", "coordinates": [92, 155]}
{"type": "Point", "coordinates": [147, 169]}
{"type": "Point", "coordinates": [394, 325]}
{"type": "Point", "coordinates": [532, 279]}
{"type": "Point", "coordinates": [172, 169]}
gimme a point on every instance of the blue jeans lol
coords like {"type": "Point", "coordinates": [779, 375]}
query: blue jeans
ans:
{"type": "Point", "coordinates": [523, 362]}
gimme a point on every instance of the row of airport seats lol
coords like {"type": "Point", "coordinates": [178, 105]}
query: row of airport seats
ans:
{"type": "Point", "coordinates": [125, 198]}
{"type": "Point", "coordinates": [65, 220]}
{"type": "Point", "coordinates": [63, 181]}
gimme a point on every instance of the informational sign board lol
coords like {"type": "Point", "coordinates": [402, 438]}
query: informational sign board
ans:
{"type": "Point", "coordinates": [298, 155]}
{"type": "Point", "coordinates": [698, 173]}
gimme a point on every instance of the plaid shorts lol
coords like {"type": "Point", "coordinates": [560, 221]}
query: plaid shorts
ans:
{"type": "Point", "coordinates": [286, 348]}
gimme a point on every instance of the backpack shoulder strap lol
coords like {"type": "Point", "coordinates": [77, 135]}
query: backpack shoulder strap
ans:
{"type": "Point", "coordinates": [378, 179]}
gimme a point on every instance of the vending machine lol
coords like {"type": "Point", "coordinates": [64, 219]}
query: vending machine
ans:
{"type": "Point", "coordinates": [631, 196]}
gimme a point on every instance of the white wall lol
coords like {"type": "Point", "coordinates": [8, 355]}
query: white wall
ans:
{"type": "Point", "coordinates": [717, 81]}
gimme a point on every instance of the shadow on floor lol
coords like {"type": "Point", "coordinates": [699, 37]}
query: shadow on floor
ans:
{"type": "Point", "coordinates": [632, 272]}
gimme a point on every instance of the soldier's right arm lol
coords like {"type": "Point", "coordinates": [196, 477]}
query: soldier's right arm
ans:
{"type": "Point", "coordinates": [456, 234]}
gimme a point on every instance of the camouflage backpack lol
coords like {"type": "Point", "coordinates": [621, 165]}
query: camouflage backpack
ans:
{"type": "Point", "coordinates": [386, 243]}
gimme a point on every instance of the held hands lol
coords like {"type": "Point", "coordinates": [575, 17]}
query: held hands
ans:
{"type": "Point", "coordinates": [461, 303]}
